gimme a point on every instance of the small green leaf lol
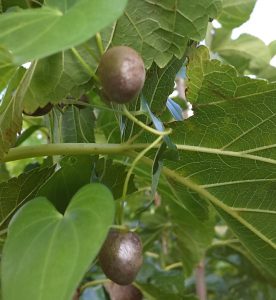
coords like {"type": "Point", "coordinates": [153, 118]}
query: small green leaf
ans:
{"type": "Point", "coordinates": [59, 25]}
{"type": "Point", "coordinates": [47, 253]}
{"type": "Point", "coordinates": [235, 12]}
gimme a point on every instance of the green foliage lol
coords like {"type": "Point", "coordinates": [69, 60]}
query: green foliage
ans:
{"type": "Point", "coordinates": [161, 31]}
{"type": "Point", "coordinates": [54, 246]}
{"type": "Point", "coordinates": [74, 172]}
{"type": "Point", "coordinates": [16, 191]}
{"type": "Point", "coordinates": [196, 190]}
{"type": "Point", "coordinates": [245, 53]}
{"type": "Point", "coordinates": [6, 67]}
{"type": "Point", "coordinates": [162, 79]}
{"type": "Point", "coordinates": [32, 34]}
{"type": "Point", "coordinates": [235, 12]}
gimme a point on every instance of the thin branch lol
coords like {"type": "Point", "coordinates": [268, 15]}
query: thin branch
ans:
{"type": "Point", "coordinates": [200, 281]}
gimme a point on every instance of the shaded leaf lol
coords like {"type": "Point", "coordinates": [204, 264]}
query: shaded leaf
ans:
{"type": "Point", "coordinates": [75, 172]}
{"type": "Point", "coordinates": [17, 191]}
{"type": "Point", "coordinates": [191, 218]}
{"type": "Point", "coordinates": [78, 125]}
{"type": "Point", "coordinates": [159, 84]}
{"type": "Point", "coordinates": [7, 69]}
{"type": "Point", "coordinates": [61, 74]}
{"type": "Point", "coordinates": [4, 173]}
{"type": "Point", "coordinates": [26, 134]}
{"type": "Point", "coordinates": [11, 109]}
{"type": "Point", "coordinates": [105, 170]}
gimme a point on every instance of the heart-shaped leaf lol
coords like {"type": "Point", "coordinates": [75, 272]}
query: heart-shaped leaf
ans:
{"type": "Point", "coordinates": [47, 253]}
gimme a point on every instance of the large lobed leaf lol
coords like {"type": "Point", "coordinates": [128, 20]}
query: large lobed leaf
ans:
{"type": "Point", "coordinates": [59, 25]}
{"type": "Point", "coordinates": [160, 30]}
{"type": "Point", "coordinates": [227, 152]}
{"type": "Point", "coordinates": [47, 253]}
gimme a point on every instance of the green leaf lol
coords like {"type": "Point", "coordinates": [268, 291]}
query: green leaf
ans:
{"type": "Point", "coordinates": [4, 173]}
{"type": "Point", "coordinates": [20, 3]}
{"type": "Point", "coordinates": [59, 25]}
{"type": "Point", "coordinates": [245, 53]}
{"type": "Point", "coordinates": [26, 134]}
{"type": "Point", "coordinates": [227, 152]}
{"type": "Point", "coordinates": [209, 81]}
{"type": "Point", "coordinates": [191, 218]}
{"type": "Point", "coordinates": [235, 12]}
{"type": "Point", "coordinates": [7, 69]}
{"type": "Point", "coordinates": [272, 48]}
{"type": "Point", "coordinates": [53, 79]}
{"type": "Point", "coordinates": [75, 172]}
{"type": "Point", "coordinates": [18, 190]}
{"type": "Point", "coordinates": [269, 73]}
{"type": "Point", "coordinates": [160, 84]}
{"type": "Point", "coordinates": [11, 109]}
{"type": "Point", "coordinates": [78, 125]}
{"type": "Point", "coordinates": [58, 75]}
{"type": "Point", "coordinates": [56, 248]}
{"type": "Point", "coordinates": [105, 170]}
{"type": "Point", "coordinates": [160, 31]}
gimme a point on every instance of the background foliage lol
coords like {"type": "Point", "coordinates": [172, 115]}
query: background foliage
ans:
{"type": "Point", "coordinates": [204, 193]}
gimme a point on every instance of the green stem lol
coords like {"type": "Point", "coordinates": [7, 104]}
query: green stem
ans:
{"type": "Point", "coordinates": [222, 243]}
{"type": "Point", "coordinates": [173, 266]}
{"type": "Point", "coordinates": [100, 43]}
{"type": "Point", "coordinates": [125, 187]}
{"type": "Point", "coordinates": [93, 283]}
{"type": "Point", "coordinates": [144, 126]}
{"type": "Point", "coordinates": [69, 149]}
{"type": "Point", "coordinates": [90, 51]}
{"type": "Point", "coordinates": [85, 65]}
{"type": "Point", "coordinates": [120, 227]}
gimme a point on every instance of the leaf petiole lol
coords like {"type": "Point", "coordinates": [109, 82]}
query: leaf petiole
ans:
{"type": "Point", "coordinates": [144, 126]}
{"type": "Point", "coordinates": [85, 65]}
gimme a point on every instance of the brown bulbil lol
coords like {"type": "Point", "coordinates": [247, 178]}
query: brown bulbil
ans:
{"type": "Point", "coordinates": [122, 74]}
{"type": "Point", "coordinates": [121, 256]}
{"type": "Point", "coordinates": [126, 292]}
{"type": "Point", "coordinates": [41, 111]}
